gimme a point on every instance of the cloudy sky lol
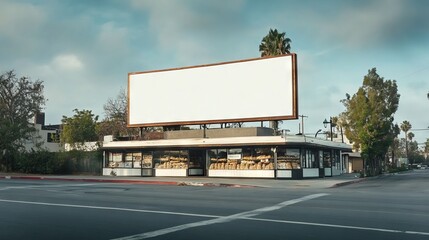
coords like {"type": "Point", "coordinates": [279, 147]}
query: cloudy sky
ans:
{"type": "Point", "coordinates": [84, 49]}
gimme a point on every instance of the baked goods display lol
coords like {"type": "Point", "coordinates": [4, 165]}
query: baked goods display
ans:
{"type": "Point", "coordinates": [172, 165]}
{"type": "Point", "coordinates": [147, 161]}
{"type": "Point", "coordinates": [288, 162]}
{"type": "Point", "coordinates": [171, 160]}
{"type": "Point", "coordinates": [260, 162]}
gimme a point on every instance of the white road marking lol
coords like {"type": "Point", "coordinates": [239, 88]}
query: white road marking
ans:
{"type": "Point", "coordinates": [338, 226]}
{"type": "Point", "coordinates": [225, 219]}
{"type": "Point", "coordinates": [109, 208]}
{"type": "Point", "coordinates": [221, 219]}
{"type": "Point", "coordinates": [48, 186]}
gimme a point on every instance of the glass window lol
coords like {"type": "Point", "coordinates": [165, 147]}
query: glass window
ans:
{"type": "Point", "coordinates": [114, 159]}
{"type": "Point", "coordinates": [336, 164]}
{"type": "Point", "coordinates": [218, 158]}
{"type": "Point", "coordinates": [147, 160]}
{"type": "Point", "coordinates": [327, 159]}
{"type": "Point", "coordinates": [264, 159]}
{"type": "Point", "coordinates": [309, 159]}
{"type": "Point", "coordinates": [173, 159]}
{"type": "Point", "coordinates": [288, 158]}
{"type": "Point", "coordinates": [161, 159]}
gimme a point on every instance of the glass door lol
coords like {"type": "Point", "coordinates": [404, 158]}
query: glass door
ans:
{"type": "Point", "coordinates": [197, 162]}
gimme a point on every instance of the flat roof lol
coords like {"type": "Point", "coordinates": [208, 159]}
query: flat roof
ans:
{"type": "Point", "coordinates": [288, 140]}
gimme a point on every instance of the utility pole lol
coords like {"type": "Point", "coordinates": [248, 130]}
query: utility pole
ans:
{"type": "Point", "coordinates": [302, 123]}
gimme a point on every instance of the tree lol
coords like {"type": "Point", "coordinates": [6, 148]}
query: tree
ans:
{"type": "Point", "coordinates": [20, 100]}
{"type": "Point", "coordinates": [79, 129]}
{"type": "Point", "coordinates": [115, 121]}
{"type": "Point", "coordinates": [368, 119]}
{"type": "Point", "coordinates": [274, 44]}
{"type": "Point", "coordinates": [426, 150]}
{"type": "Point", "coordinates": [405, 127]}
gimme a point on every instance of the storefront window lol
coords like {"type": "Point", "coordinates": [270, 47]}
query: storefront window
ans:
{"type": "Point", "coordinates": [133, 160]}
{"type": "Point", "coordinates": [218, 158]}
{"type": "Point", "coordinates": [336, 160]}
{"type": "Point", "coordinates": [310, 159]}
{"type": "Point", "coordinates": [147, 160]}
{"type": "Point", "coordinates": [115, 160]}
{"type": "Point", "coordinates": [327, 159]}
{"type": "Point", "coordinates": [242, 159]}
{"type": "Point", "coordinates": [233, 158]}
{"type": "Point", "coordinates": [288, 158]}
{"type": "Point", "coordinates": [171, 159]}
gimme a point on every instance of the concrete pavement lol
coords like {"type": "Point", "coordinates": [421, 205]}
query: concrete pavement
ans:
{"type": "Point", "coordinates": [327, 182]}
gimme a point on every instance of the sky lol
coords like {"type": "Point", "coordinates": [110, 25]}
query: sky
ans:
{"type": "Point", "coordinates": [83, 50]}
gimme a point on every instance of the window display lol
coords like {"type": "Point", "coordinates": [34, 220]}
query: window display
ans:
{"type": "Point", "coordinates": [147, 160]}
{"type": "Point", "coordinates": [115, 160]}
{"type": "Point", "coordinates": [288, 158]}
{"type": "Point", "coordinates": [242, 159]}
{"type": "Point", "coordinates": [171, 159]}
{"type": "Point", "coordinates": [133, 159]}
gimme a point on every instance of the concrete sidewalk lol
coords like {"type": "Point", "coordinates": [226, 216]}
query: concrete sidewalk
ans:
{"type": "Point", "coordinates": [327, 182]}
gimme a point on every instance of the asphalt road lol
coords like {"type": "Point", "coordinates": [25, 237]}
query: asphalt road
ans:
{"type": "Point", "coordinates": [391, 207]}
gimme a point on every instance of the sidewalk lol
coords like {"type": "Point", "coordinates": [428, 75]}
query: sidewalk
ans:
{"type": "Point", "coordinates": [327, 182]}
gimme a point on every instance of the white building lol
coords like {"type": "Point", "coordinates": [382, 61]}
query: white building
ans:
{"type": "Point", "coordinates": [45, 137]}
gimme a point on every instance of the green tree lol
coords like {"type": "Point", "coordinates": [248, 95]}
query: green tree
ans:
{"type": "Point", "coordinates": [405, 127]}
{"type": "Point", "coordinates": [274, 44]}
{"type": "Point", "coordinates": [79, 129]}
{"type": "Point", "coordinates": [427, 146]}
{"type": "Point", "coordinates": [20, 100]}
{"type": "Point", "coordinates": [368, 119]}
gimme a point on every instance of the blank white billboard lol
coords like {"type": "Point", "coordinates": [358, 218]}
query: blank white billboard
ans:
{"type": "Point", "coordinates": [257, 89]}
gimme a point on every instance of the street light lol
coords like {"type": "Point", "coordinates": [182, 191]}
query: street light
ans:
{"type": "Point", "coordinates": [331, 125]}
{"type": "Point", "coordinates": [318, 131]}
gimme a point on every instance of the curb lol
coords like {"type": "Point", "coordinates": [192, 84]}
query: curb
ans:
{"type": "Point", "coordinates": [341, 184]}
{"type": "Point", "coordinates": [147, 182]}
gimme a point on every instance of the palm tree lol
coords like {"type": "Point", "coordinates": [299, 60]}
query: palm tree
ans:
{"type": "Point", "coordinates": [405, 127]}
{"type": "Point", "coordinates": [274, 44]}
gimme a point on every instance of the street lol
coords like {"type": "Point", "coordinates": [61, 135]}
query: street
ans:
{"type": "Point", "coordinates": [388, 207]}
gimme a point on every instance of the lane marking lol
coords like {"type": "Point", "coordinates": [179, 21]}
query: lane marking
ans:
{"type": "Point", "coordinates": [109, 208]}
{"type": "Point", "coordinates": [247, 214]}
{"type": "Point", "coordinates": [338, 226]}
{"type": "Point", "coordinates": [244, 216]}
{"type": "Point", "coordinates": [48, 186]}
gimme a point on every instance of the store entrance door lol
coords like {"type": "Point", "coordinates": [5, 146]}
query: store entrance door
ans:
{"type": "Point", "coordinates": [197, 162]}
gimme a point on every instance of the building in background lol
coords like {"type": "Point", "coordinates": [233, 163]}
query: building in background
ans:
{"type": "Point", "coordinates": [45, 137]}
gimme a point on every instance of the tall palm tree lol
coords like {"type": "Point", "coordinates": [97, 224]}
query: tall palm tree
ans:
{"type": "Point", "coordinates": [274, 44]}
{"type": "Point", "coordinates": [405, 127]}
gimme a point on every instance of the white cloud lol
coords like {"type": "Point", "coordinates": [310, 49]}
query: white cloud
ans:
{"type": "Point", "coordinates": [67, 62]}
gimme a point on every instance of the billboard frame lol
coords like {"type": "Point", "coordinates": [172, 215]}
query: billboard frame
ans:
{"type": "Point", "coordinates": [294, 81]}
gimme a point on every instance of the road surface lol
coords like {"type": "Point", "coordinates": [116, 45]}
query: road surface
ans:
{"type": "Point", "coordinates": [390, 207]}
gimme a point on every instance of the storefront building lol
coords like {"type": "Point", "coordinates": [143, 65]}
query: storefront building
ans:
{"type": "Point", "coordinates": [266, 156]}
